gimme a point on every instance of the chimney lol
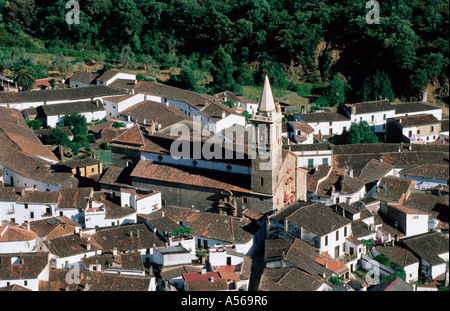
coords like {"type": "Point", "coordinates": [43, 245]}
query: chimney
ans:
{"type": "Point", "coordinates": [162, 214]}
{"type": "Point", "coordinates": [223, 115]}
{"type": "Point", "coordinates": [135, 81]}
{"type": "Point", "coordinates": [28, 226]}
{"type": "Point", "coordinates": [350, 173]}
{"type": "Point", "coordinates": [128, 117]}
{"type": "Point", "coordinates": [88, 246]}
{"type": "Point", "coordinates": [212, 279]}
{"type": "Point", "coordinates": [137, 233]}
{"type": "Point", "coordinates": [203, 271]}
{"type": "Point", "coordinates": [115, 251]}
{"type": "Point", "coordinates": [423, 96]}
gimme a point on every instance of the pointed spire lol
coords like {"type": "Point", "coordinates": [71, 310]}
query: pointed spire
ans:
{"type": "Point", "coordinates": [266, 104]}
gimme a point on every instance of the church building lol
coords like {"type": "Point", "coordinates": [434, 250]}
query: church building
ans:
{"type": "Point", "coordinates": [263, 178]}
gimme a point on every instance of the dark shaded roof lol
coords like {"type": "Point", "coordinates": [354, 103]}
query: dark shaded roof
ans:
{"type": "Point", "coordinates": [360, 229]}
{"type": "Point", "coordinates": [219, 284]}
{"type": "Point", "coordinates": [319, 116]}
{"type": "Point", "coordinates": [318, 218]}
{"type": "Point", "coordinates": [372, 106]}
{"type": "Point", "coordinates": [84, 77]}
{"type": "Point", "coordinates": [155, 111]}
{"type": "Point", "coordinates": [417, 120]}
{"type": "Point", "coordinates": [95, 281]}
{"type": "Point", "coordinates": [339, 181]}
{"type": "Point", "coordinates": [393, 188]}
{"type": "Point", "coordinates": [428, 246]}
{"type": "Point", "coordinates": [374, 171]}
{"type": "Point", "coordinates": [141, 238]}
{"type": "Point", "coordinates": [30, 266]}
{"type": "Point", "coordinates": [393, 285]}
{"type": "Point", "coordinates": [213, 226]}
{"type": "Point", "coordinates": [289, 279]}
{"type": "Point", "coordinates": [397, 254]}
{"type": "Point", "coordinates": [66, 108]}
{"type": "Point", "coordinates": [122, 261]}
{"type": "Point", "coordinates": [71, 245]}
{"type": "Point", "coordinates": [169, 273]}
{"type": "Point", "coordinates": [80, 162]}
{"type": "Point", "coordinates": [117, 176]}
{"type": "Point", "coordinates": [286, 211]}
{"type": "Point", "coordinates": [409, 107]}
{"type": "Point", "coordinates": [309, 147]}
{"type": "Point", "coordinates": [60, 94]}
{"type": "Point", "coordinates": [440, 171]}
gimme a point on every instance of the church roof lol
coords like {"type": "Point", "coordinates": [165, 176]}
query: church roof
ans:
{"type": "Point", "coordinates": [266, 103]}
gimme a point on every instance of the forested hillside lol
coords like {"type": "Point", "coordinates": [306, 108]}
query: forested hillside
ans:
{"type": "Point", "coordinates": [227, 44]}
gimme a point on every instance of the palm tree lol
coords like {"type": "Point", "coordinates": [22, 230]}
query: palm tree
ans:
{"type": "Point", "coordinates": [24, 78]}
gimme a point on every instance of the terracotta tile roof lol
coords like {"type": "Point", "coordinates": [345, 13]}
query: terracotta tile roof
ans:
{"type": "Point", "coordinates": [319, 173]}
{"type": "Point", "coordinates": [213, 226]}
{"type": "Point", "coordinates": [393, 285]}
{"type": "Point", "coordinates": [71, 245]}
{"type": "Point", "coordinates": [339, 182]}
{"type": "Point", "coordinates": [207, 285]}
{"type": "Point", "coordinates": [302, 126]}
{"type": "Point", "coordinates": [95, 281]}
{"type": "Point", "coordinates": [169, 273]}
{"type": "Point", "coordinates": [120, 238]}
{"type": "Point", "coordinates": [191, 176]}
{"type": "Point", "coordinates": [16, 135]}
{"type": "Point", "coordinates": [30, 266]}
{"type": "Point", "coordinates": [417, 120]}
{"type": "Point", "coordinates": [200, 276]}
{"type": "Point", "coordinates": [404, 210]}
{"type": "Point", "coordinates": [372, 106]}
{"type": "Point", "coordinates": [117, 176]}
{"type": "Point", "coordinates": [122, 261]}
{"type": "Point", "coordinates": [132, 136]}
{"type": "Point", "coordinates": [66, 108]}
{"type": "Point", "coordinates": [318, 218]}
{"type": "Point", "coordinates": [300, 254]}
{"type": "Point", "coordinates": [428, 246]}
{"type": "Point", "coordinates": [440, 171]}
{"type": "Point", "coordinates": [78, 93]}
{"type": "Point", "coordinates": [437, 207]}
{"type": "Point", "coordinates": [155, 111]}
{"type": "Point", "coordinates": [15, 234]}
{"type": "Point", "coordinates": [289, 279]}
{"type": "Point", "coordinates": [109, 74]}
{"type": "Point", "coordinates": [398, 255]}
{"type": "Point", "coordinates": [393, 188]}
{"type": "Point", "coordinates": [318, 117]}
{"type": "Point", "coordinates": [84, 77]}
{"type": "Point", "coordinates": [113, 209]}
{"type": "Point", "coordinates": [36, 169]}
{"type": "Point", "coordinates": [74, 198]}
{"type": "Point", "coordinates": [44, 227]}
{"type": "Point", "coordinates": [14, 288]}
{"type": "Point", "coordinates": [417, 106]}
{"type": "Point", "coordinates": [374, 171]}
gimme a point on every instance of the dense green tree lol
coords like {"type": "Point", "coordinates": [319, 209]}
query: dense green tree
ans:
{"type": "Point", "coordinates": [58, 137]}
{"type": "Point", "coordinates": [360, 133]}
{"type": "Point", "coordinates": [77, 123]}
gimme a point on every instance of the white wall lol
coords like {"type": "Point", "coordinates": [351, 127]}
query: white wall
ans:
{"type": "Point", "coordinates": [379, 122]}
{"type": "Point", "coordinates": [23, 182]}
